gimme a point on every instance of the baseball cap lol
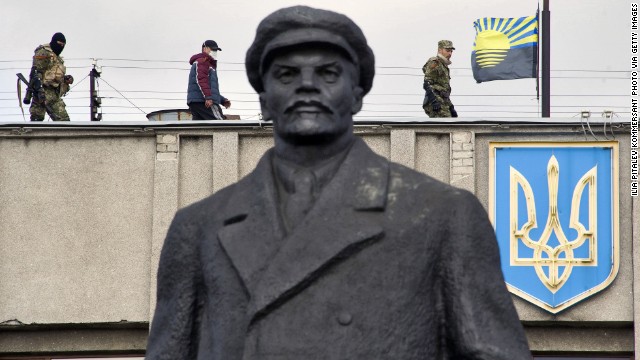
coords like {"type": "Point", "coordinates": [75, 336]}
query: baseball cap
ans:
{"type": "Point", "coordinates": [211, 45]}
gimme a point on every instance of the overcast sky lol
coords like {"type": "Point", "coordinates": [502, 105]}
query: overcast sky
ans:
{"type": "Point", "coordinates": [157, 38]}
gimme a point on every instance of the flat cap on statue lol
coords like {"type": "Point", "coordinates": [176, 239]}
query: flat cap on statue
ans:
{"type": "Point", "coordinates": [299, 25]}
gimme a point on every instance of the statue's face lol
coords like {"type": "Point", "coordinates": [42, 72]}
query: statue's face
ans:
{"type": "Point", "coordinates": [311, 94]}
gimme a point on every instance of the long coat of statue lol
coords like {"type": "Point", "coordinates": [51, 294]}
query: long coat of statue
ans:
{"type": "Point", "coordinates": [388, 264]}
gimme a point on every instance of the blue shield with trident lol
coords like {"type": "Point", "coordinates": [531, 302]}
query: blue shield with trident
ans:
{"type": "Point", "coordinates": [555, 211]}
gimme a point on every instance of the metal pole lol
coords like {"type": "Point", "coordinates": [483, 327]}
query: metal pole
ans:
{"type": "Point", "coordinates": [94, 100]}
{"type": "Point", "coordinates": [92, 93]}
{"type": "Point", "coordinates": [546, 60]}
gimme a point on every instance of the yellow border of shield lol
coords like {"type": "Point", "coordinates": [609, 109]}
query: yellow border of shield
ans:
{"type": "Point", "coordinates": [493, 145]}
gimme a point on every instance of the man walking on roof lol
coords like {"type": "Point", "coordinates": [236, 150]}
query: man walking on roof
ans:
{"type": "Point", "coordinates": [50, 81]}
{"type": "Point", "coordinates": [437, 83]}
{"type": "Point", "coordinates": [203, 93]}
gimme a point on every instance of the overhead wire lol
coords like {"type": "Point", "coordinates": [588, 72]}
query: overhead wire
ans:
{"type": "Point", "coordinates": [124, 97]}
{"type": "Point", "coordinates": [469, 108]}
{"type": "Point", "coordinates": [242, 63]}
{"type": "Point", "coordinates": [78, 83]}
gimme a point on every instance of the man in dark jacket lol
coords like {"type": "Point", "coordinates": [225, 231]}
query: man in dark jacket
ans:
{"type": "Point", "coordinates": [327, 250]}
{"type": "Point", "coordinates": [203, 93]}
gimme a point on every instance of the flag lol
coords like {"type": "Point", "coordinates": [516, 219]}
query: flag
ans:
{"type": "Point", "coordinates": [505, 48]}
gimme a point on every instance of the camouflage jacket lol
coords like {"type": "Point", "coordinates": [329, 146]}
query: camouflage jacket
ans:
{"type": "Point", "coordinates": [51, 68]}
{"type": "Point", "coordinates": [436, 72]}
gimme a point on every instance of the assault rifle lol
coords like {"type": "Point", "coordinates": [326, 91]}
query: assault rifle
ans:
{"type": "Point", "coordinates": [34, 88]}
{"type": "Point", "coordinates": [34, 85]}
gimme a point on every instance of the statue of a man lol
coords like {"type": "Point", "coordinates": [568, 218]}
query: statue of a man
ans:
{"type": "Point", "coordinates": [327, 250]}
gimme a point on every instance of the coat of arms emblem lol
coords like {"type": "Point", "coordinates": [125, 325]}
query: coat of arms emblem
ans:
{"type": "Point", "coordinates": [555, 211]}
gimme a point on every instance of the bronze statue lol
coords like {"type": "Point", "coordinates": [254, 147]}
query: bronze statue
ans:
{"type": "Point", "coordinates": [327, 250]}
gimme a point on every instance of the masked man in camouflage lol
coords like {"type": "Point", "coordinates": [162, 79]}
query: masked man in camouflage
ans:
{"type": "Point", "coordinates": [437, 85]}
{"type": "Point", "coordinates": [49, 67]}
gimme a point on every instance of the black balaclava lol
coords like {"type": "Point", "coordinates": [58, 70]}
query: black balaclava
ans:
{"type": "Point", "coordinates": [57, 48]}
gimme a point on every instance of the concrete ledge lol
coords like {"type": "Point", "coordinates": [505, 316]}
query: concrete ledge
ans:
{"type": "Point", "coordinates": [132, 339]}
{"type": "Point", "coordinates": [566, 340]}
{"type": "Point", "coordinates": [611, 123]}
{"type": "Point", "coordinates": [129, 340]}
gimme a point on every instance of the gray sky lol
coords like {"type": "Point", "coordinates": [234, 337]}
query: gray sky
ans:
{"type": "Point", "coordinates": [592, 35]}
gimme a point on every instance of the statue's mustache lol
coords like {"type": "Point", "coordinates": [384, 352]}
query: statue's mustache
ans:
{"type": "Point", "coordinates": [312, 103]}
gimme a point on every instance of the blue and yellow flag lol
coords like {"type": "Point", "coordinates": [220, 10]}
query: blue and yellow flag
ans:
{"type": "Point", "coordinates": [505, 48]}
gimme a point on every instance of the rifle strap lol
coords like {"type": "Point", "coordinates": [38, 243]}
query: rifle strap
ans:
{"type": "Point", "coordinates": [19, 85]}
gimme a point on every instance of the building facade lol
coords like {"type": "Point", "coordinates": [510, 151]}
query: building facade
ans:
{"type": "Point", "coordinates": [84, 208]}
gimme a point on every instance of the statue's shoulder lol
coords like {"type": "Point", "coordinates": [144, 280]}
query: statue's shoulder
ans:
{"type": "Point", "coordinates": [419, 185]}
{"type": "Point", "coordinates": [210, 208]}
{"type": "Point", "coordinates": [219, 205]}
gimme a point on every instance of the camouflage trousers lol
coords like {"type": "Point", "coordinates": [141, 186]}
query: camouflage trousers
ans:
{"type": "Point", "coordinates": [444, 112]}
{"type": "Point", "coordinates": [58, 111]}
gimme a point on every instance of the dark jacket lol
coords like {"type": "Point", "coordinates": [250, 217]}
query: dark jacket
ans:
{"type": "Point", "coordinates": [388, 264]}
{"type": "Point", "coordinates": [203, 80]}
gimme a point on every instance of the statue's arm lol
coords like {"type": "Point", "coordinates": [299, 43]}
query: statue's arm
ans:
{"type": "Point", "coordinates": [481, 321]}
{"type": "Point", "coordinates": [172, 330]}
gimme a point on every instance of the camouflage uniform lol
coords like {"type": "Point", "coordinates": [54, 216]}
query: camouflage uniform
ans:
{"type": "Point", "coordinates": [436, 73]}
{"type": "Point", "coordinates": [52, 70]}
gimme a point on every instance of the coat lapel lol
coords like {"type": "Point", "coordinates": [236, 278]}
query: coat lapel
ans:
{"type": "Point", "coordinates": [252, 231]}
{"type": "Point", "coordinates": [339, 225]}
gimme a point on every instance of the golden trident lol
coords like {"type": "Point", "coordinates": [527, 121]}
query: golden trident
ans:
{"type": "Point", "coordinates": [544, 255]}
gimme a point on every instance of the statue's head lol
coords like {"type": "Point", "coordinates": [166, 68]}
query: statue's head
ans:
{"type": "Point", "coordinates": [311, 68]}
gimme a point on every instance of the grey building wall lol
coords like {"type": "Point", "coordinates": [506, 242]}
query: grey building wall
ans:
{"type": "Point", "coordinates": [84, 211]}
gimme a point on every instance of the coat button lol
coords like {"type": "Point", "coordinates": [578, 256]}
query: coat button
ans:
{"type": "Point", "coordinates": [345, 318]}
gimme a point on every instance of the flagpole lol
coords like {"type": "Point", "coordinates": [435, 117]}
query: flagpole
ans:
{"type": "Point", "coordinates": [536, 71]}
{"type": "Point", "coordinates": [546, 60]}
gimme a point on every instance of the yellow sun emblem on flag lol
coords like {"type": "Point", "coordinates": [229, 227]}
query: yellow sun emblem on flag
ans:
{"type": "Point", "coordinates": [496, 36]}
